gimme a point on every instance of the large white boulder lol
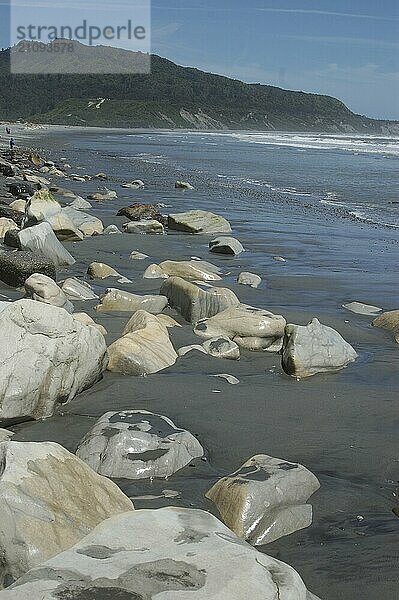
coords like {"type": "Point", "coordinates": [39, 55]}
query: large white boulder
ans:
{"type": "Point", "coordinates": [251, 328]}
{"type": "Point", "coordinates": [41, 238]}
{"type": "Point", "coordinates": [193, 302]}
{"type": "Point", "coordinates": [144, 347]}
{"type": "Point", "coordinates": [198, 221]}
{"type": "Point", "coordinates": [46, 358]}
{"type": "Point", "coordinates": [64, 228]}
{"type": "Point", "coordinates": [137, 444]}
{"type": "Point", "coordinates": [41, 206]}
{"type": "Point", "coordinates": [170, 553]}
{"type": "Point", "coordinates": [265, 499]}
{"type": "Point", "coordinates": [44, 289]}
{"type": "Point", "coordinates": [114, 300]}
{"type": "Point", "coordinates": [49, 500]}
{"type": "Point", "coordinates": [315, 348]}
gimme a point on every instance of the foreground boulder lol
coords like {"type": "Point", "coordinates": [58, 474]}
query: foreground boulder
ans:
{"type": "Point", "coordinates": [198, 221]}
{"type": "Point", "coordinates": [144, 348]}
{"type": "Point", "coordinates": [175, 553]}
{"type": "Point", "coordinates": [49, 500]}
{"type": "Point", "coordinates": [41, 238]}
{"type": "Point", "coordinates": [137, 444]}
{"type": "Point", "coordinates": [313, 349]}
{"type": "Point", "coordinates": [192, 270]}
{"type": "Point", "coordinates": [194, 303]}
{"type": "Point", "coordinates": [17, 267]}
{"type": "Point", "coordinates": [265, 499]}
{"type": "Point", "coordinates": [57, 358]}
{"type": "Point", "coordinates": [226, 245]}
{"type": "Point", "coordinates": [114, 300]}
{"type": "Point", "coordinates": [43, 289]}
{"type": "Point", "coordinates": [390, 322]}
{"type": "Point", "coordinates": [251, 328]}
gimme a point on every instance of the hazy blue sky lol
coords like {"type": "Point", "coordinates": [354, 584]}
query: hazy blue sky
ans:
{"type": "Point", "coordinates": [346, 48]}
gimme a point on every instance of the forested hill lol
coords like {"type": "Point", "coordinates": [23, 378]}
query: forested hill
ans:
{"type": "Point", "coordinates": [172, 97]}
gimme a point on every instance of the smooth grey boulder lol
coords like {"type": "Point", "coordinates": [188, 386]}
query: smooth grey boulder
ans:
{"type": "Point", "coordinates": [114, 300]}
{"type": "Point", "coordinates": [191, 270]}
{"type": "Point", "coordinates": [75, 289]}
{"type": "Point", "coordinates": [80, 203]}
{"type": "Point", "coordinates": [198, 221]}
{"type": "Point", "coordinates": [265, 499]}
{"type": "Point", "coordinates": [146, 226]}
{"type": "Point", "coordinates": [99, 270]}
{"type": "Point", "coordinates": [57, 358]}
{"type": "Point", "coordinates": [41, 238]}
{"type": "Point", "coordinates": [49, 500]}
{"type": "Point", "coordinates": [43, 289]}
{"type": "Point", "coordinates": [17, 267]}
{"type": "Point", "coordinates": [389, 321]}
{"type": "Point", "coordinates": [171, 553]}
{"type": "Point", "coordinates": [111, 230]}
{"type": "Point", "coordinates": [88, 225]}
{"type": "Point", "coordinates": [314, 348]}
{"type": "Point", "coordinates": [362, 309]}
{"type": "Point", "coordinates": [135, 185]}
{"type": "Point", "coordinates": [225, 245]}
{"type": "Point", "coordinates": [144, 347]}
{"type": "Point", "coordinates": [193, 302]}
{"type": "Point", "coordinates": [250, 279]}
{"type": "Point", "coordinates": [251, 328]}
{"type": "Point", "coordinates": [64, 228]}
{"type": "Point", "coordinates": [137, 444]}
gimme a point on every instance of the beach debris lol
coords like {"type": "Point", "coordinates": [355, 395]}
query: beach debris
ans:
{"type": "Point", "coordinates": [226, 245]}
{"type": "Point", "coordinates": [41, 288]}
{"type": "Point", "coordinates": [198, 221]}
{"type": "Point", "coordinates": [314, 348]}
{"type": "Point", "coordinates": [389, 321]}
{"type": "Point", "coordinates": [362, 309]}
{"type": "Point", "coordinates": [229, 378]}
{"type": "Point", "coordinates": [265, 499]}
{"type": "Point", "coordinates": [114, 300]}
{"type": "Point", "coordinates": [251, 279]}
{"type": "Point", "coordinates": [147, 226]}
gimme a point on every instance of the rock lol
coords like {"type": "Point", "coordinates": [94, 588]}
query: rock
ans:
{"type": "Point", "coordinates": [18, 205]}
{"type": "Point", "coordinates": [64, 228]}
{"type": "Point", "coordinates": [6, 225]}
{"type": "Point", "coordinates": [136, 184]}
{"type": "Point", "coordinates": [250, 279]}
{"type": "Point", "coordinates": [186, 349]}
{"type": "Point", "coordinates": [49, 500]}
{"type": "Point", "coordinates": [149, 227]}
{"type": "Point", "coordinates": [41, 238]}
{"type": "Point", "coordinates": [137, 444]}
{"type": "Point", "coordinates": [42, 181]}
{"type": "Point", "coordinates": [41, 206]}
{"type": "Point", "coordinates": [99, 270]}
{"type": "Point", "coordinates": [198, 221]}
{"type": "Point", "coordinates": [144, 347]}
{"type": "Point", "coordinates": [191, 270]}
{"type": "Point", "coordinates": [19, 189]}
{"type": "Point", "coordinates": [141, 212]}
{"type": "Point", "coordinates": [389, 321]}
{"type": "Point", "coordinates": [174, 553]}
{"type": "Point", "coordinates": [154, 272]}
{"type": "Point", "coordinates": [279, 259]}
{"type": "Point", "coordinates": [78, 290]}
{"type": "Point", "coordinates": [115, 300]}
{"type": "Point", "coordinates": [137, 255]}
{"type": "Point", "coordinates": [80, 203]}
{"type": "Point", "coordinates": [101, 196]}
{"type": "Point", "coordinates": [194, 303]}
{"type": "Point", "coordinates": [16, 267]}
{"type": "Point", "coordinates": [57, 359]}
{"type": "Point", "coordinates": [14, 215]}
{"type": "Point", "coordinates": [111, 230]}
{"type": "Point", "coordinates": [87, 320]}
{"type": "Point", "coordinates": [11, 238]}
{"type": "Point", "coordinates": [43, 289]}
{"type": "Point", "coordinates": [265, 499]}
{"type": "Point", "coordinates": [362, 309]}
{"type": "Point", "coordinates": [101, 176]}
{"type": "Point", "coordinates": [86, 224]}
{"type": "Point", "coordinates": [5, 436]}
{"type": "Point", "coordinates": [313, 349]}
{"type": "Point", "coordinates": [250, 328]}
{"type": "Point", "coordinates": [168, 321]}
{"type": "Point", "coordinates": [222, 347]}
{"type": "Point", "coordinates": [225, 245]}
{"type": "Point", "coordinates": [183, 185]}
{"type": "Point", "coordinates": [229, 378]}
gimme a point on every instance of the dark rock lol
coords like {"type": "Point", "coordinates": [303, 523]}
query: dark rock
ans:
{"type": "Point", "coordinates": [11, 238]}
{"type": "Point", "coordinates": [17, 267]}
{"type": "Point", "coordinates": [14, 215]}
{"type": "Point", "coordinates": [139, 212]}
{"type": "Point", "coordinates": [21, 189]}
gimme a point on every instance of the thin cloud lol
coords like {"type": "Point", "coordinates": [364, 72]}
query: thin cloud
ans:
{"type": "Point", "coordinates": [327, 39]}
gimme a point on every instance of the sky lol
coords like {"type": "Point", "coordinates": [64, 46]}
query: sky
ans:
{"type": "Point", "coordinates": [345, 48]}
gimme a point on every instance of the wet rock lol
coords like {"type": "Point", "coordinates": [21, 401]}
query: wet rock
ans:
{"type": "Point", "coordinates": [57, 358]}
{"type": "Point", "coordinates": [154, 272]}
{"type": "Point", "coordinates": [191, 270]}
{"type": "Point", "coordinates": [111, 230]}
{"type": "Point", "coordinates": [226, 245]}
{"type": "Point", "coordinates": [186, 349]}
{"type": "Point", "coordinates": [279, 259]}
{"type": "Point", "coordinates": [389, 321]}
{"type": "Point", "coordinates": [251, 328]}
{"type": "Point", "coordinates": [362, 309]}
{"type": "Point", "coordinates": [88, 225]}
{"type": "Point", "coordinates": [313, 349]}
{"type": "Point", "coordinates": [137, 255]}
{"type": "Point", "coordinates": [16, 267]}
{"type": "Point", "coordinates": [49, 500]}
{"type": "Point", "coordinates": [198, 221]}
{"type": "Point", "coordinates": [99, 270]}
{"type": "Point", "coordinates": [194, 303]}
{"type": "Point", "coordinates": [222, 347]}
{"type": "Point", "coordinates": [85, 319]}
{"type": "Point", "coordinates": [229, 378]}
{"type": "Point", "coordinates": [78, 290]}
{"type": "Point", "coordinates": [101, 176]}
{"type": "Point", "coordinates": [41, 238]}
{"type": "Point", "coordinates": [44, 289]}
{"type": "Point", "coordinates": [149, 227]}
{"type": "Point", "coordinates": [183, 185]}
{"type": "Point", "coordinates": [265, 499]}
{"type": "Point", "coordinates": [6, 225]}
{"type": "Point", "coordinates": [137, 444]}
{"type": "Point", "coordinates": [80, 203]}
{"type": "Point", "coordinates": [250, 279]}
{"type": "Point", "coordinates": [114, 300]}
{"type": "Point", "coordinates": [141, 212]}
{"type": "Point", "coordinates": [135, 185]}
{"type": "Point", "coordinates": [102, 196]}
{"type": "Point", "coordinates": [170, 552]}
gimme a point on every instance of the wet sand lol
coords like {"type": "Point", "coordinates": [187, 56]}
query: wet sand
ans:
{"type": "Point", "coordinates": [343, 427]}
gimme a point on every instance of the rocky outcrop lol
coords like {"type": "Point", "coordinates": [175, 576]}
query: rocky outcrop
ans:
{"type": "Point", "coordinates": [198, 221]}
{"type": "Point", "coordinates": [265, 499]}
{"type": "Point", "coordinates": [17, 267]}
{"type": "Point", "coordinates": [313, 349]}
{"type": "Point", "coordinates": [57, 358]}
{"type": "Point", "coordinates": [137, 444]}
{"type": "Point", "coordinates": [41, 238]}
{"type": "Point", "coordinates": [194, 303]}
{"type": "Point", "coordinates": [114, 300]}
{"type": "Point", "coordinates": [43, 289]}
{"type": "Point", "coordinates": [251, 328]}
{"type": "Point", "coordinates": [49, 500]}
{"type": "Point", "coordinates": [226, 245]}
{"type": "Point", "coordinates": [389, 321]}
